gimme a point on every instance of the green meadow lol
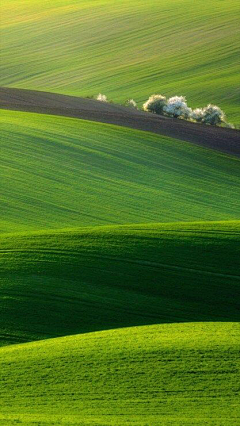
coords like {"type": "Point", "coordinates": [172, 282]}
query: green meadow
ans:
{"type": "Point", "coordinates": [124, 48]}
{"type": "Point", "coordinates": [74, 281]}
{"type": "Point", "coordinates": [123, 246]}
{"type": "Point", "coordinates": [167, 374]}
{"type": "Point", "coordinates": [60, 172]}
{"type": "Point", "coordinates": [119, 249]}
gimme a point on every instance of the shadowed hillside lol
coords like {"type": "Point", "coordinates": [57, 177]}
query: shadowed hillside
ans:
{"type": "Point", "coordinates": [73, 281]}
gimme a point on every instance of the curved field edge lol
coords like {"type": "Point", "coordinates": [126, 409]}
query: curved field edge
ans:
{"type": "Point", "coordinates": [61, 172]}
{"type": "Point", "coordinates": [81, 280]}
{"type": "Point", "coordinates": [124, 49]}
{"type": "Point", "coordinates": [221, 139]}
{"type": "Point", "coordinates": [162, 374]}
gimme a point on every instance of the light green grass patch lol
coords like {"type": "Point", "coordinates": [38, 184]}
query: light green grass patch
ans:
{"type": "Point", "coordinates": [124, 49]}
{"type": "Point", "coordinates": [179, 374]}
{"type": "Point", "coordinates": [60, 172]}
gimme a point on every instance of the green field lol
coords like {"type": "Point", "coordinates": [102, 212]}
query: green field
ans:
{"type": "Point", "coordinates": [73, 281]}
{"type": "Point", "coordinates": [60, 172]}
{"type": "Point", "coordinates": [124, 48]}
{"type": "Point", "coordinates": [119, 249]}
{"type": "Point", "coordinates": [156, 375]}
{"type": "Point", "coordinates": [84, 248]}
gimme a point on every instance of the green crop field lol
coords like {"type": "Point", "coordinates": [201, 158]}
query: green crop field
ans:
{"type": "Point", "coordinates": [119, 248]}
{"type": "Point", "coordinates": [155, 375]}
{"type": "Point", "coordinates": [60, 172]}
{"type": "Point", "coordinates": [124, 48]}
{"type": "Point", "coordinates": [62, 275]}
{"type": "Point", "coordinates": [72, 281]}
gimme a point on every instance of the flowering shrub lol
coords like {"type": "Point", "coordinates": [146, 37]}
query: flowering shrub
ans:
{"type": "Point", "coordinates": [213, 115]}
{"type": "Point", "coordinates": [131, 103]}
{"type": "Point", "coordinates": [155, 104]}
{"type": "Point", "coordinates": [177, 107]}
{"type": "Point", "coordinates": [197, 115]}
{"type": "Point", "coordinates": [102, 98]}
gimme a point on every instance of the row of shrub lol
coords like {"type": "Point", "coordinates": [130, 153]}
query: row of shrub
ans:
{"type": "Point", "coordinates": [177, 107]}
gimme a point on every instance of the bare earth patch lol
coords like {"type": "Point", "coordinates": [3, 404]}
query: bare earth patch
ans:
{"type": "Point", "coordinates": [222, 139]}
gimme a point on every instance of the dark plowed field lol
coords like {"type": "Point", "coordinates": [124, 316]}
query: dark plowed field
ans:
{"type": "Point", "coordinates": [222, 139]}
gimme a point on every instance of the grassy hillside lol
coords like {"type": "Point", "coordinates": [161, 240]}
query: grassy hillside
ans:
{"type": "Point", "coordinates": [73, 281]}
{"type": "Point", "coordinates": [60, 172]}
{"type": "Point", "coordinates": [124, 48]}
{"type": "Point", "coordinates": [127, 237]}
{"type": "Point", "coordinates": [184, 374]}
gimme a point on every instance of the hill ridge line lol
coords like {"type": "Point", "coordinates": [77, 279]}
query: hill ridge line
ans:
{"type": "Point", "coordinates": [99, 228]}
{"type": "Point", "coordinates": [222, 139]}
{"type": "Point", "coordinates": [141, 262]}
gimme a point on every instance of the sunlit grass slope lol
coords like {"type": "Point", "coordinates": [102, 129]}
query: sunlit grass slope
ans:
{"type": "Point", "coordinates": [60, 172]}
{"type": "Point", "coordinates": [178, 374]}
{"type": "Point", "coordinates": [124, 48]}
{"type": "Point", "coordinates": [73, 281]}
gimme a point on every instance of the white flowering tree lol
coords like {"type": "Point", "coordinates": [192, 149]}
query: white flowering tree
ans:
{"type": "Point", "coordinates": [155, 104]}
{"type": "Point", "coordinates": [213, 115]}
{"type": "Point", "coordinates": [177, 107]}
{"type": "Point", "coordinates": [131, 103]}
{"type": "Point", "coordinates": [102, 98]}
{"type": "Point", "coordinates": [197, 115]}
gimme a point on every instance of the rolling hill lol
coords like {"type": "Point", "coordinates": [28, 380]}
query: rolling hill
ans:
{"type": "Point", "coordinates": [120, 230]}
{"type": "Point", "coordinates": [74, 281]}
{"type": "Point", "coordinates": [220, 138]}
{"type": "Point", "coordinates": [60, 172]}
{"type": "Point", "coordinates": [124, 49]}
{"type": "Point", "coordinates": [176, 374]}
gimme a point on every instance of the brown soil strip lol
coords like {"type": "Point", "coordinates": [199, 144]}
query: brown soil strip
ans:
{"type": "Point", "coordinates": [222, 139]}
